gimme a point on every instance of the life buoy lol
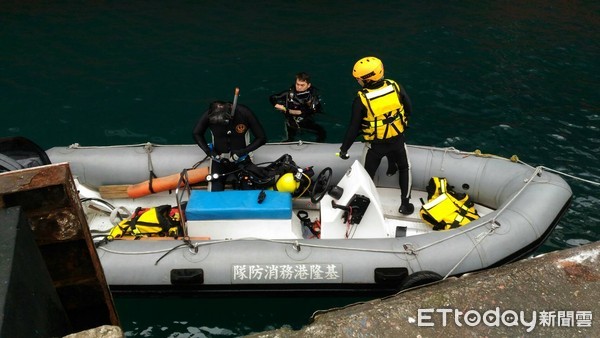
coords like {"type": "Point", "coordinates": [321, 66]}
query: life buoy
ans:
{"type": "Point", "coordinates": [166, 183]}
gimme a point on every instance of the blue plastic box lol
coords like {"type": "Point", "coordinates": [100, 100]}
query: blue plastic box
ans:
{"type": "Point", "coordinates": [238, 204]}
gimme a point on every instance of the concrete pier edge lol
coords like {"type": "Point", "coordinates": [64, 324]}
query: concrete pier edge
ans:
{"type": "Point", "coordinates": [555, 294]}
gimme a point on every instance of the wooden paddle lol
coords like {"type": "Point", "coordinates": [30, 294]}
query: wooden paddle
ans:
{"type": "Point", "coordinates": [113, 191]}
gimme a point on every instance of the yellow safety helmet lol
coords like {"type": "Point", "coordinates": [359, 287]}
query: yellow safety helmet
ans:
{"type": "Point", "coordinates": [287, 183]}
{"type": "Point", "coordinates": [368, 68]}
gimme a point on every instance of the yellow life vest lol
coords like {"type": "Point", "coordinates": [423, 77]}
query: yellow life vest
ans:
{"type": "Point", "coordinates": [445, 208]}
{"type": "Point", "coordinates": [158, 221]}
{"type": "Point", "coordinates": [385, 113]}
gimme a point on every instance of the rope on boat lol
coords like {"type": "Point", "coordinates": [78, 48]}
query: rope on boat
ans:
{"type": "Point", "coordinates": [513, 158]}
{"type": "Point", "coordinates": [147, 144]}
{"type": "Point", "coordinates": [118, 252]}
{"type": "Point", "coordinates": [493, 221]}
{"type": "Point", "coordinates": [148, 147]}
{"type": "Point", "coordinates": [571, 176]}
{"type": "Point", "coordinates": [76, 145]}
{"type": "Point", "coordinates": [297, 245]}
{"type": "Point", "coordinates": [196, 245]}
{"type": "Point", "coordinates": [479, 240]}
{"type": "Point", "coordinates": [186, 243]}
{"type": "Point", "coordinates": [408, 248]}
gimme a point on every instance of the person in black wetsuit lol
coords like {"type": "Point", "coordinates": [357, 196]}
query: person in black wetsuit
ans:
{"type": "Point", "coordinates": [380, 111]}
{"type": "Point", "coordinates": [300, 103]}
{"type": "Point", "coordinates": [231, 147]}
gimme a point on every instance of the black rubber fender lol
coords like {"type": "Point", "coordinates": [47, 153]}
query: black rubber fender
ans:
{"type": "Point", "coordinates": [420, 278]}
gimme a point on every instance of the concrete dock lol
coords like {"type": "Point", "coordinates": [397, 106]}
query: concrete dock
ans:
{"type": "Point", "coordinates": [553, 295]}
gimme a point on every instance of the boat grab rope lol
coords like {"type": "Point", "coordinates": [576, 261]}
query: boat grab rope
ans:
{"type": "Point", "coordinates": [149, 252]}
{"type": "Point", "coordinates": [144, 145]}
{"type": "Point", "coordinates": [408, 248]}
{"type": "Point", "coordinates": [185, 243]}
{"type": "Point", "coordinates": [479, 239]}
{"type": "Point", "coordinates": [477, 153]}
{"type": "Point", "coordinates": [513, 158]}
{"type": "Point", "coordinates": [296, 245]}
{"type": "Point", "coordinates": [493, 221]}
{"type": "Point", "coordinates": [193, 247]}
{"type": "Point", "coordinates": [496, 225]}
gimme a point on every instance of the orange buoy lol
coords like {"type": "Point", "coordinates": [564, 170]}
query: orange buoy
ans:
{"type": "Point", "coordinates": [166, 183]}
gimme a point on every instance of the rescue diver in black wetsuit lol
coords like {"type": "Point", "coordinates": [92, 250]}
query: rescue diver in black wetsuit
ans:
{"type": "Point", "coordinates": [231, 148]}
{"type": "Point", "coordinates": [380, 111]}
{"type": "Point", "coordinates": [300, 103]}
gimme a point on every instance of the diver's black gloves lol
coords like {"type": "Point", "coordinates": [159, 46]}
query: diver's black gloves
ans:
{"type": "Point", "coordinates": [344, 155]}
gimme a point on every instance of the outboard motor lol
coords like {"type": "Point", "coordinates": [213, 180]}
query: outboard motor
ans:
{"type": "Point", "coordinates": [20, 153]}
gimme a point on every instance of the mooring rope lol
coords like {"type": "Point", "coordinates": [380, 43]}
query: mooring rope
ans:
{"type": "Point", "coordinates": [571, 176]}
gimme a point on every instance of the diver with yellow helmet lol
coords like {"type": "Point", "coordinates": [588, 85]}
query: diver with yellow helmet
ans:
{"type": "Point", "coordinates": [380, 113]}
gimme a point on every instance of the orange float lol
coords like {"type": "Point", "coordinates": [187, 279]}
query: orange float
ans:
{"type": "Point", "coordinates": [165, 183]}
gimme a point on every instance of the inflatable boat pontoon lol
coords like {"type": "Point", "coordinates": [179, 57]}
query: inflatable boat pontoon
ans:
{"type": "Point", "coordinates": [235, 242]}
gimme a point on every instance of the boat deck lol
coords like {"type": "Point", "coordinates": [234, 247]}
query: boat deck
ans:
{"type": "Point", "coordinates": [100, 221]}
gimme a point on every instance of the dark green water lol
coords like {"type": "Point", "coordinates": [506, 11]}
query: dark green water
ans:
{"type": "Point", "coordinates": [505, 77]}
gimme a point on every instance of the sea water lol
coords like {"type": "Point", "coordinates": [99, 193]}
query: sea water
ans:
{"type": "Point", "coordinates": [505, 77]}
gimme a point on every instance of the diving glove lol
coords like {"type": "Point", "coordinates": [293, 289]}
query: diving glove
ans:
{"type": "Point", "coordinates": [344, 155]}
{"type": "Point", "coordinates": [238, 156]}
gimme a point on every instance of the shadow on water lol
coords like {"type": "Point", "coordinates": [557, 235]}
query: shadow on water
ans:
{"type": "Point", "coordinates": [220, 316]}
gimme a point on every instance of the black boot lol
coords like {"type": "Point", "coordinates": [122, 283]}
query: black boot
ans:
{"type": "Point", "coordinates": [406, 208]}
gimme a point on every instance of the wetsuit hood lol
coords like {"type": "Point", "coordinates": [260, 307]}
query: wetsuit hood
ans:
{"type": "Point", "coordinates": [219, 112]}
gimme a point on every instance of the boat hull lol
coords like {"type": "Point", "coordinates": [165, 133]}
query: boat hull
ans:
{"type": "Point", "coordinates": [527, 204]}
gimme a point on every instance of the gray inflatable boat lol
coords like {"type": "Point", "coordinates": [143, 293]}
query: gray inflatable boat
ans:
{"type": "Point", "coordinates": [351, 237]}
